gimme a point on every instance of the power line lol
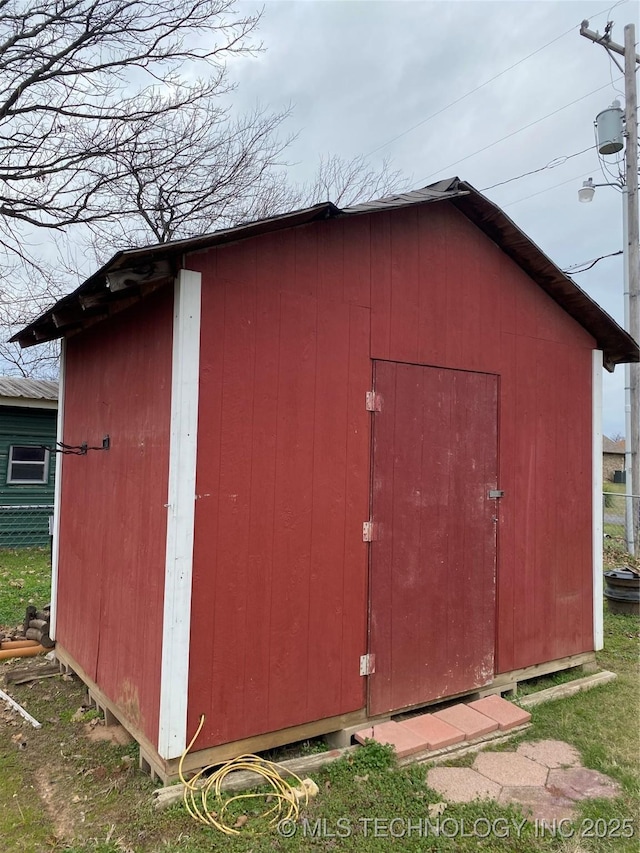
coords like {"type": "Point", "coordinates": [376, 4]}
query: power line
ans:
{"type": "Point", "coordinates": [572, 270]}
{"type": "Point", "coordinates": [515, 132]}
{"type": "Point", "coordinates": [490, 80]}
{"type": "Point", "coordinates": [548, 189]}
{"type": "Point", "coordinates": [557, 161]}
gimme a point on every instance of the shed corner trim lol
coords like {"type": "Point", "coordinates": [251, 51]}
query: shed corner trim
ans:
{"type": "Point", "coordinates": [598, 568]}
{"type": "Point", "coordinates": [57, 497]}
{"type": "Point", "coordinates": [174, 674]}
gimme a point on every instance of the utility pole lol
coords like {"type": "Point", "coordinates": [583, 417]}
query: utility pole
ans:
{"type": "Point", "coordinates": [632, 258]}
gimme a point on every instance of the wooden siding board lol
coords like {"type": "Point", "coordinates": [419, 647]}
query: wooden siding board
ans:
{"type": "Point", "coordinates": [471, 539]}
{"type": "Point", "coordinates": [118, 384]}
{"type": "Point", "coordinates": [331, 265]}
{"type": "Point", "coordinates": [276, 261]}
{"type": "Point", "coordinates": [357, 261]}
{"type": "Point", "coordinates": [433, 315]}
{"type": "Point", "coordinates": [262, 510]}
{"type": "Point", "coordinates": [405, 286]}
{"type": "Point", "coordinates": [408, 587]}
{"type": "Point", "coordinates": [235, 486]}
{"type": "Point", "coordinates": [524, 504]}
{"type": "Point", "coordinates": [380, 286]}
{"type": "Point", "coordinates": [293, 510]}
{"type": "Point", "coordinates": [306, 260]}
{"type": "Point", "coordinates": [236, 262]}
{"type": "Point", "coordinates": [326, 582]}
{"type": "Point", "coordinates": [549, 439]}
{"type": "Point", "coordinates": [438, 499]}
{"type": "Point", "coordinates": [573, 558]}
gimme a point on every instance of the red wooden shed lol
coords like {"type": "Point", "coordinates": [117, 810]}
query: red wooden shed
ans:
{"type": "Point", "coordinates": [351, 465]}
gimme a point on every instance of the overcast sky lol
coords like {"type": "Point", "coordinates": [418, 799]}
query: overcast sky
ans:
{"type": "Point", "coordinates": [361, 73]}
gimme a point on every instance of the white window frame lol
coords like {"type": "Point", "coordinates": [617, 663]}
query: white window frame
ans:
{"type": "Point", "coordinates": [12, 481]}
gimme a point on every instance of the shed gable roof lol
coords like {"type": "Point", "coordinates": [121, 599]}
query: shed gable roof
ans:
{"type": "Point", "coordinates": [133, 273]}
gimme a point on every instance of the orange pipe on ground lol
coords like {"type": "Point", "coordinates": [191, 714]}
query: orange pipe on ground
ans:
{"type": "Point", "coordinates": [22, 653]}
{"type": "Point", "coordinates": [17, 644]}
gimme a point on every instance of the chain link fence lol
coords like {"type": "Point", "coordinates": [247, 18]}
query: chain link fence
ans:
{"type": "Point", "coordinates": [25, 526]}
{"type": "Point", "coordinates": [621, 513]}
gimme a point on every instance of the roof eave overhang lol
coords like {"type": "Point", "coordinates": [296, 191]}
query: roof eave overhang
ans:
{"type": "Point", "coordinates": [617, 345]}
{"type": "Point", "coordinates": [132, 274]}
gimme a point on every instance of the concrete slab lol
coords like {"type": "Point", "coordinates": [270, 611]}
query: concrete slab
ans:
{"type": "Point", "coordinates": [506, 714]}
{"type": "Point", "coordinates": [435, 732]}
{"type": "Point", "coordinates": [468, 720]}
{"type": "Point", "coordinates": [551, 753]}
{"type": "Point", "coordinates": [403, 740]}
{"type": "Point", "coordinates": [461, 784]}
{"type": "Point", "coordinates": [539, 804]}
{"type": "Point", "coordinates": [509, 768]}
{"type": "Point", "coordinates": [579, 783]}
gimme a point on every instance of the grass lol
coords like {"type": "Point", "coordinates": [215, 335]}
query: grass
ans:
{"type": "Point", "coordinates": [25, 578]}
{"type": "Point", "coordinates": [534, 685]}
{"type": "Point", "coordinates": [64, 792]}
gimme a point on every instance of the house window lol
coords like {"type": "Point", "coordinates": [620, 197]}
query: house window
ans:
{"type": "Point", "coordinates": [28, 464]}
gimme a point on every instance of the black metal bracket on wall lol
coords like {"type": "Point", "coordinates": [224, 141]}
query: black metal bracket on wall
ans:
{"type": "Point", "coordinates": [78, 449]}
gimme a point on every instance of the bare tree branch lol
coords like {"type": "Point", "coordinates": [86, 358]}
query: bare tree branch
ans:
{"type": "Point", "coordinates": [82, 79]}
{"type": "Point", "coordinates": [115, 121]}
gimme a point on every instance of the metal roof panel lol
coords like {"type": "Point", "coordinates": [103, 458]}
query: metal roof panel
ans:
{"type": "Point", "coordinates": [30, 389]}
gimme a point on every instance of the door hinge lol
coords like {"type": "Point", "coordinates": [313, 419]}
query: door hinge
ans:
{"type": "Point", "coordinates": [367, 664]}
{"type": "Point", "coordinates": [495, 493]}
{"type": "Point", "coordinates": [373, 401]}
{"type": "Point", "coordinates": [368, 531]}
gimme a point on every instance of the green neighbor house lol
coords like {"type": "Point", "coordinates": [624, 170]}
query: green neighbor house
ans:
{"type": "Point", "coordinates": [28, 416]}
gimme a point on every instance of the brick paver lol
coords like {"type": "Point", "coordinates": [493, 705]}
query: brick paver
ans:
{"type": "Point", "coordinates": [506, 714]}
{"type": "Point", "coordinates": [435, 732]}
{"type": "Point", "coordinates": [404, 741]}
{"type": "Point", "coordinates": [471, 722]}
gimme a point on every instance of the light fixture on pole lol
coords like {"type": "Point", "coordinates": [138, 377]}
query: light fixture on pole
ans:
{"type": "Point", "coordinates": [587, 191]}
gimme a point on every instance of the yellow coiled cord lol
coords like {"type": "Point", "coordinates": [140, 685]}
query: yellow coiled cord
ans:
{"type": "Point", "coordinates": [200, 787]}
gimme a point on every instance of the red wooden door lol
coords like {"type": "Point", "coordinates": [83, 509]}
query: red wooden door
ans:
{"type": "Point", "coordinates": [433, 558]}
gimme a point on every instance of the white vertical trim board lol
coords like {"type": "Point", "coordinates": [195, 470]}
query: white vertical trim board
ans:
{"type": "Point", "coordinates": [174, 676]}
{"type": "Point", "coordinates": [598, 532]}
{"type": "Point", "coordinates": [57, 492]}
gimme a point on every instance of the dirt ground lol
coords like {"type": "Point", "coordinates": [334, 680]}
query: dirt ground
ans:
{"type": "Point", "coordinates": [60, 784]}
